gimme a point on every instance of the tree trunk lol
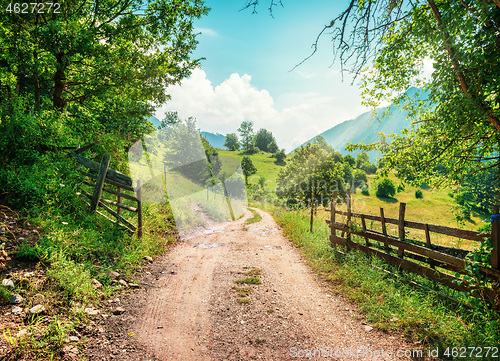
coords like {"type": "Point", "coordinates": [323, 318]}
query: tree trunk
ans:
{"type": "Point", "coordinates": [460, 75]}
{"type": "Point", "coordinates": [58, 100]}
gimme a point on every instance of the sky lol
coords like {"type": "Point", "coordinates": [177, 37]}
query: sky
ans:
{"type": "Point", "coordinates": [246, 73]}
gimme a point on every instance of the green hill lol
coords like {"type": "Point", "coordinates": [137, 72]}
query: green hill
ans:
{"type": "Point", "coordinates": [364, 129]}
{"type": "Point", "coordinates": [264, 162]}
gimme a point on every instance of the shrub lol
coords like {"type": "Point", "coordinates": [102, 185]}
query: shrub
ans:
{"type": "Point", "coordinates": [385, 188]}
{"type": "Point", "coordinates": [419, 194]}
{"type": "Point", "coordinates": [280, 156]}
{"type": "Point", "coordinates": [401, 188]}
{"type": "Point", "coordinates": [364, 191]}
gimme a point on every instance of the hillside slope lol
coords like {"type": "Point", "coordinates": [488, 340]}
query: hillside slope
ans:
{"type": "Point", "coordinates": [365, 128]}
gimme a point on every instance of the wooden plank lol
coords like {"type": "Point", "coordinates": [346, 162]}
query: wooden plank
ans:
{"type": "Point", "coordinates": [113, 183]}
{"type": "Point", "coordinates": [443, 278]}
{"type": "Point", "coordinates": [312, 212]}
{"type": "Point", "coordinates": [139, 208]}
{"type": "Point", "coordinates": [119, 205]}
{"type": "Point", "coordinates": [495, 240]}
{"type": "Point", "coordinates": [457, 262]}
{"type": "Point", "coordinates": [449, 231]}
{"type": "Point", "coordinates": [401, 227]}
{"type": "Point", "coordinates": [113, 213]}
{"type": "Point", "coordinates": [103, 169]}
{"type": "Point", "coordinates": [337, 240]}
{"type": "Point", "coordinates": [111, 174]}
{"type": "Point", "coordinates": [120, 194]}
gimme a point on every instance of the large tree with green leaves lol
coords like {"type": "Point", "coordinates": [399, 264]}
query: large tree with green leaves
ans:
{"type": "Point", "coordinates": [387, 41]}
{"type": "Point", "coordinates": [247, 135]}
{"type": "Point", "coordinates": [310, 170]}
{"type": "Point", "coordinates": [98, 66]}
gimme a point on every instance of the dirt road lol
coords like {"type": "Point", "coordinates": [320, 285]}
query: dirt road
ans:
{"type": "Point", "coordinates": [194, 312]}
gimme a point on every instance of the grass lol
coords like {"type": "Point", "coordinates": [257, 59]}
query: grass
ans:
{"type": "Point", "coordinates": [256, 217]}
{"type": "Point", "coordinates": [388, 303]}
{"type": "Point", "coordinates": [249, 281]}
{"type": "Point", "coordinates": [74, 247]}
{"type": "Point", "coordinates": [264, 162]}
{"type": "Point", "coordinates": [242, 291]}
{"type": "Point", "coordinates": [244, 301]}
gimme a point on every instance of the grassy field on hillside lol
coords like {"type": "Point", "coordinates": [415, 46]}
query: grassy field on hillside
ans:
{"type": "Point", "coordinates": [434, 208]}
{"type": "Point", "coordinates": [264, 162]}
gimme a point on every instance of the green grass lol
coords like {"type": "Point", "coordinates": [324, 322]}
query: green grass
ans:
{"type": "Point", "coordinates": [249, 280]}
{"type": "Point", "coordinates": [256, 217]}
{"type": "Point", "coordinates": [387, 303]}
{"type": "Point", "coordinates": [264, 162]}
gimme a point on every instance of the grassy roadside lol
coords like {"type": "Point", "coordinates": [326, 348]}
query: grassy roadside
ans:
{"type": "Point", "coordinates": [62, 258]}
{"type": "Point", "coordinates": [387, 303]}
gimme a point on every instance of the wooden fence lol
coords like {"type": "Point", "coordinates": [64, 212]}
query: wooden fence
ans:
{"type": "Point", "coordinates": [101, 174]}
{"type": "Point", "coordinates": [404, 253]}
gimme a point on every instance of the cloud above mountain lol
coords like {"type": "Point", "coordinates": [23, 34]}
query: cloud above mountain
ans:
{"type": "Point", "coordinates": [222, 108]}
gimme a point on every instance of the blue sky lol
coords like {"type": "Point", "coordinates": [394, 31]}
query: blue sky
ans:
{"type": "Point", "coordinates": [246, 74]}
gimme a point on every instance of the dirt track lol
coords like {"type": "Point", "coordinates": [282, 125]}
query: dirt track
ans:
{"type": "Point", "coordinates": [193, 313]}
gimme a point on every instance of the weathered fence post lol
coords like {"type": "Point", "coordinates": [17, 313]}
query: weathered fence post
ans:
{"type": "Point", "coordinates": [495, 240]}
{"type": "Point", "coordinates": [333, 231]}
{"type": "Point", "coordinates": [119, 200]}
{"type": "Point", "coordinates": [384, 228]}
{"type": "Point", "coordinates": [363, 222]}
{"type": "Point", "coordinates": [428, 244]}
{"type": "Point", "coordinates": [103, 170]}
{"type": "Point", "coordinates": [312, 212]}
{"type": "Point", "coordinates": [401, 228]}
{"type": "Point", "coordinates": [139, 209]}
{"type": "Point", "coordinates": [348, 223]}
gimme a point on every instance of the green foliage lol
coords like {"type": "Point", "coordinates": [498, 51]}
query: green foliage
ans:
{"type": "Point", "coordinates": [362, 159]}
{"type": "Point", "coordinates": [263, 140]}
{"type": "Point", "coordinates": [280, 156]}
{"type": "Point", "coordinates": [349, 159]}
{"type": "Point", "coordinates": [419, 194]}
{"type": "Point", "coordinates": [359, 178]}
{"type": "Point", "coordinates": [247, 136]}
{"type": "Point", "coordinates": [232, 143]}
{"type": "Point", "coordinates": [319, 140]}
{"type": "Point", "coordinates": [369, 168]}
{"type": "Point", "coordinates": [311, 168]}
{"type": "Point", "coordinates": [365, 191]}
{"type": "Point", "coordinates": [248, 168]}
{"type": "Point", "coordinates": [272, 147]}
{"type": "Point", "coordinates": [401, 188]}
{"type": "Point", "coordinates": [385, 188]}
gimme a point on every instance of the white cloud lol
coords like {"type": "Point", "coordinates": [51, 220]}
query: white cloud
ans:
{"type": "Point", "coordinates": [206, 31]}
{"type": "Point", "coordinates": [222, 108]}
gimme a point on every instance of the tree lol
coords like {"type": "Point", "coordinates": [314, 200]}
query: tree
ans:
{"type": "Point", "coordinates": [362, 159]}
{"type": "Point", "coordinates": [458, 127]}
{"type": "Point", "coordinates": [311, 169]}
{"type": "Point", "coordinates": [385, 188]}
{"type": "Point", "coordinates": [280, 156]}
{"type": "Point", "coordinates": [369, 168]}
{"type": "Point", "coordinates": [232, 142]}
{"type": "Point", "coordinates": [171, 118]}
{"type": "Point", "coordinates": [359, 178]}
{"type": "Point", "coordinates": [248, 168]}
{"type": "Point", "coordinates": [95, 68]}
{"type": "Point", "coordinates": [349, 159]}
{"type": "Point", "coordinates": [272, 147]}
{"type": "Point", "coordinates": [263, 139]}
{"type": "Point", "coordinates": [319, 140]}
{"type": "Point", "coordinates": [247, 136]}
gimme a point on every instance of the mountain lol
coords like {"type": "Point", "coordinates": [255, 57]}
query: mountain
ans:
{"type": "Point", "coordinates": [156, 122]}
{"type": "Point", "coordinates": [365, 129]}
{"type": "Point", "coordinates": [215, 139]}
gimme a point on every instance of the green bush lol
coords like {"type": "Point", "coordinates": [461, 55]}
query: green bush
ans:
{"type": "Point", "coordinates": [419, 194]}
{"type": "Point", "coordinates": [385, 188]}
{"type": "Point", "coordinates": [365, 191]}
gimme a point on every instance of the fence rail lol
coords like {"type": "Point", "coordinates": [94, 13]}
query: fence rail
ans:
{"type": "Point", "coordinates": [403, 252]}
{"type": "Point", "coordinates": [100, 173]}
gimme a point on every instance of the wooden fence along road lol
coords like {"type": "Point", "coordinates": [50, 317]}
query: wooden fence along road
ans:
{"type": "Point", "coordinates": [101, 173]}
{"type": "Point", "coordinates": [403, 253]}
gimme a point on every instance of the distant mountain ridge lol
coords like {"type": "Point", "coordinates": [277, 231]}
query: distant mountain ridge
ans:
{"type": "Point", "coordinates": [365, 129]}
